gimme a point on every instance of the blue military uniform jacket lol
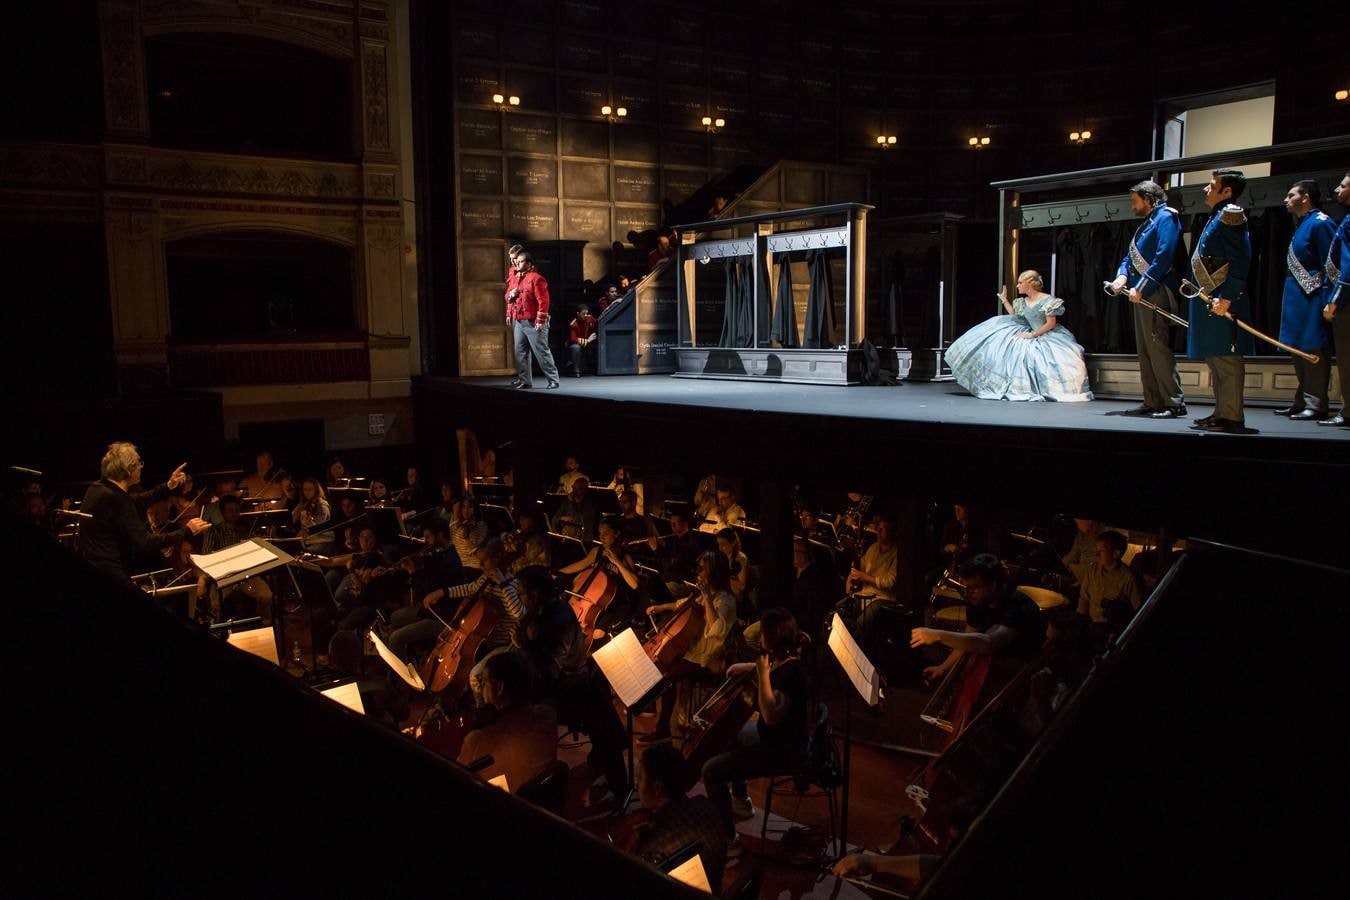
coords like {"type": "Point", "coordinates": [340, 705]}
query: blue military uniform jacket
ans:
{"type": "Point", "coordinates": [1219, 265]}
{"type": "Point", "coordinates": [1305, 287]}
{"type": "Point", "coordinates": [1338, 264]}
{"type": "Point", "coordinates": [1153, 252]}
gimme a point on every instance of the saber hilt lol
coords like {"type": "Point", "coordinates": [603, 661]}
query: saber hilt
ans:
{"type": "Point", "coordinates": [1192, 291]}
{"type": "Point", "coordinates": [1171, 317]}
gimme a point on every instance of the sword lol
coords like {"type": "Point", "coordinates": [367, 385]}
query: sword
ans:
{"type": "Point", "coordinates": [1171, 317]}
{"type": "Point", "coordinates": [1190, 291]}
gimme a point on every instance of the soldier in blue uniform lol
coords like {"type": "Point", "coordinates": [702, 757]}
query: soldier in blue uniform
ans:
{"type": "Point", "coordinates": [1338, 272]}
{"type": "Point", "coordinates": [1219, 265]}
{"type": "Point", "coordinates": [1305, 294]}
{"type": "Point", "coordinates": [1148, 269]}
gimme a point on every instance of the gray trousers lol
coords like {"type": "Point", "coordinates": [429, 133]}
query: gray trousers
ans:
{"type": "Point", "coordinates": [1314, 379]}
{"type": "Point", "coordinates": [1227, 375]}
{"type": "Point", "coordinates": [528, 340]}
{"type": "Point", "coordinates": [1157, 364]}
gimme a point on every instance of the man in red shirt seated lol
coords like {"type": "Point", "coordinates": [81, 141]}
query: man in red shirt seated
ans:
{"type": "Point", "coordinates": [580, 340]}
{"type": "Point", "coordinates": [524, 739]}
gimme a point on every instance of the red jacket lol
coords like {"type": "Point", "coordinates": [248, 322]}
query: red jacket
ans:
{"type": "Point", "coordinates": [580, 329]}
{"type": "Point", "coordinates": [532, 301]}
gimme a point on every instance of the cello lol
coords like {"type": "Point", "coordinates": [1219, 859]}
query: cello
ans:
{"type": "Point", "coordinates": [592, 591]}
{"type": "Point", "coordinates": [677, 633]}
{"type": "Point", "coordinates": [448, 665]}
{"type": "Point", "coordinates": [714, 727]}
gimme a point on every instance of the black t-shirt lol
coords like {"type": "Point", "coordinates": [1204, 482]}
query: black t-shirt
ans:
{"type": "Point", "coordinates": [1018, 612]}
{"type": "Point", "coordinates": [791, 680]}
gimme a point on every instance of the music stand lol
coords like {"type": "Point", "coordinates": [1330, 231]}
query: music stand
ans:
{"type": "Point", "coordinates": [865, 678]}
{"type": "Point", "coordinates": [637, 681]}
{"type": "Point", "coordinates": [387, 522]}
{"type": "Point", "coordinates": [242, 561]}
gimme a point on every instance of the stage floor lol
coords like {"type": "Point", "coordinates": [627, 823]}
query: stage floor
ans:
{"type": "Point", "coordinates": [911, 402]}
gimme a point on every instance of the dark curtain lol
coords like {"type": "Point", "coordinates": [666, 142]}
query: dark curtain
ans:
{"type": "Point", "coordinates": [737, 313]}
{"type": "Point", "coordinates": [819, 302]}
{"type": "Point", "coordinates": [784, 329]}
{"type": "Point", "coordinates": [682, 314]}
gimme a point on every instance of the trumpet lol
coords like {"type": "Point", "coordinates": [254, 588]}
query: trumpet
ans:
{"type": "Point", "coordinates": [1171, 317]}
{"type": "Point", "coordinates": [1190, 290]}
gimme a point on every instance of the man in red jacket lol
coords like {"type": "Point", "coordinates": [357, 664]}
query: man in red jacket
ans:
{"type": "Point", "coordinates": [527, 308]}
{"type": "Point", "coordinates": [580, 338]}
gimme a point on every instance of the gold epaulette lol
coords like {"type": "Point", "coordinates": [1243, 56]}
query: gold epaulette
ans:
{"type": "Point", "coordinates": [1233, 215]}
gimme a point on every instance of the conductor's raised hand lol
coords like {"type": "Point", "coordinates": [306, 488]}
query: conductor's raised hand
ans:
{"type": "Point", "coordinates": [178, 476]}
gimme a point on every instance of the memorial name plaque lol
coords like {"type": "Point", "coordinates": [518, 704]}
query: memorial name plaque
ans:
{"type": "Point", "coordinates": [535, 89]}
{"type": "Point", "coordinates": [480, 218]}
{"type": "Point", "coordinates": [531, 134]}
{"type": "Point", "coordinates": [684, 66]}
{"type": "Point", "coordinates": [477, 84]}
{"type": "Point", "coordinates": [533, 177]}
{"type": "Point", "coordinates": [586, 223]}
{"type": "Point", "coordinates": [480, 129]}
{"type": "Point", "coordinates": [628, 218]}
{"type": "Point", "coordinates": [636, 59]}
{"type": "Point", "coordinates": [633, 185]}
{"type": "Point", "coordinates": [729, 74]}
{"type": "Point", "coordinates": [680, 185]}
{"type": "Point", "coordinates": [534, 221]}
{"type": "Point", "coordinates": [484, 262]}
{"type": "Point", "coordinates": [773, 81]}
{"type": "Point", "coordinates": [484, 351]}
{"type": "Point", "coordinates": [581, 52]}
{"type": "Point", "coordinates": [585, 180]}
{"type": "Point", "coordinates": [480, 174]}
{"type": "Point", "coordinates": [585, 14]}
{"type": "Point", "coordinates": [483, 305]}
{"type": "Point", "coordinates": [583, 96]}
{"type": "Point", "coordinates": [636, 144]}
{"type": "Point", "coordinates": [477, 40]}
{"type": "Point", "coordinates": [684, 149]}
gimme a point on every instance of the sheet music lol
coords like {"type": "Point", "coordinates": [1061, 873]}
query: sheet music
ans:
{"type": "Point", "coordinates": [627, 667]}
{"type": "Point", "coordinates": [238, 558]}
{"type": "Point", "coordinates": [856, 664]}
{"type": "Point", "coordinates": [258, 641]}
{"type": "Point", "coordinates": [500, 781]}
{"type": "Point", "coordinates": [349, 695]}
{"type": "Point", "coordinates": [402, 669]}
{"type": "Point", "coordinates": [692, 873]}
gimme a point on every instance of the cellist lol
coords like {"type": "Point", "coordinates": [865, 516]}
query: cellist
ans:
{"type": "Point", "coordinates": [493, 586]}
{"type": "Point", "coordinates": [612, 558]}
{"type": "Point", "coordinates": [776, 743]}
{"type": "Point", "coordinates": [707, 658]}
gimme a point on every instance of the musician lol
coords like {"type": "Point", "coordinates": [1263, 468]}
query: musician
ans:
{"type": "Point", "coordinates": [571, 472]}
{"type": "Point", "coordinates": [912, 867]}
{"type": "Point", "coordinates": [678, 820]}
{"type": "Point", "coordinates": [449, 501]}
{"type": "Point", "coordinates": [412, 629]}
{"type": "Point", "coordinates": [265, 482]}
{"type": "Point", "coordinates": [678, 554]}
{"type": "Point", "coordinates": [497, 587]}
{"type": "Point", "coordinates": [527, 309]}
{"type": "Point", "coordinates": [226, 485]}
{"type": "Point", "coordinates": [413, 496]}
{"type": "Point", "coordinates": [512, 278]}
{"type": "Point", "coordinates": [611, 296]}
{"type": "Point", "coordinates": [1005, 622]}
{"type": "Point", "coordinates": [227, 532]}
{"type": "Point", "coordinates": [468, 531]}
{"type": "Point", "coordinates": [116, 533]}
{"type": "Point", "coordinates": [729, 546]}
{"type": "Point", "coordinates": [614, 559]}
{"type": "Point", "coordinates": [775, 744]}
{"type": "Point", "coordinates": [528, 544]}
{"type": "Point", "coordinates": [639, 532]}
{"type": "Point", "coordinates": [185, 500]}
{"type": "Point", "coordinates": [581, 340]}
{"type": "Point", "coordinates": [1083, 551]}
{"type": "Point", "coordinates": [625, 479]}
{"type": "Point", "coordinates": [1108, 579]}
{"type": "Point", "coordinates": [379, 493]}
{"type": "Point", "coordinates": [523, 741]}
{"type": "Point", "coordinates": [1338, 274]}
{"type": "Point", "coordinates": [336, 474]}
{"type": "Point", "coordinates": [312, 513]}
{"type": "Point", "coordinates": [290, 494]}
{"type": "Point", "coordinates": [575, 516]}
{"type": "Point", "coordinates": [704, 661]}
{"type": "Point", "coordinates": [705, 496]}
{"type": "Point", "coordinates": [355, 596]}
{"type": "Point", "coordinates": [1302, 324]}
{"type": "Point", "coordinates": [1219, 265]}
{"type": "Point", "coordinates": [1149, 263]}
{"type": "Point", "coordinates": [725, 513]}
{"type": "Point", "coordinates": [873, 579]}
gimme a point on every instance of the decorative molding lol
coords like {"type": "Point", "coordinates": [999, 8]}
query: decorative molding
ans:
{"type": "Point", "coordinates": [380, 186]}
{"type": "Point", "coordinates": [123, 87]}
{"type": "Point", "coordinates": [375, 94]}
{"type": "Point", "coordinates": [50, 165]}
{"type": "Point", "coordinates": [325, 27]}
{"type": "Point", "coordinates": [202, 173]}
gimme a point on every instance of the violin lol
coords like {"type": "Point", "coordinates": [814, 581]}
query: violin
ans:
{"type": "Point", "coordinates": [677, 633]}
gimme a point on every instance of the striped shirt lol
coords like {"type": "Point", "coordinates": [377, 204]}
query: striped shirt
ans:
{"type": "Point", "coordinates": [499, 589]}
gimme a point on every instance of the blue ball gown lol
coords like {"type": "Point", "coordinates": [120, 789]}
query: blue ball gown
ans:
{"type": "Point", "coordinates": [993, 363]}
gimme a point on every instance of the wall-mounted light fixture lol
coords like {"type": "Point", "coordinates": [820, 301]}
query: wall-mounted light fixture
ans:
{"type": "Point", "coordinates": [1080, 137]}
{"type": "Point", "coordinates": [503, 103]}
{"type": "Point", "coordinates": [712, 126]}
{"type": "Point", "coordinates": [1342, 95]}
{"type": "Point", "coordinates": [613, 114]}
{"type": "Point", "coordinates": [886, 141]}
{"type": "Point", "coordinates": [979, 143]}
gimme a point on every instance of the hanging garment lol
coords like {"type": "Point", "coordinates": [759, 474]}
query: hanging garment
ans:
{"type": "Point", "coordinates": [784, 330]}
{"type": "Point", "coordinates": [819, 302]}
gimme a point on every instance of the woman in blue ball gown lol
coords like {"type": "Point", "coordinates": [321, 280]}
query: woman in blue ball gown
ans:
{"type": "Point", "coordinates": [1025, 355]}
